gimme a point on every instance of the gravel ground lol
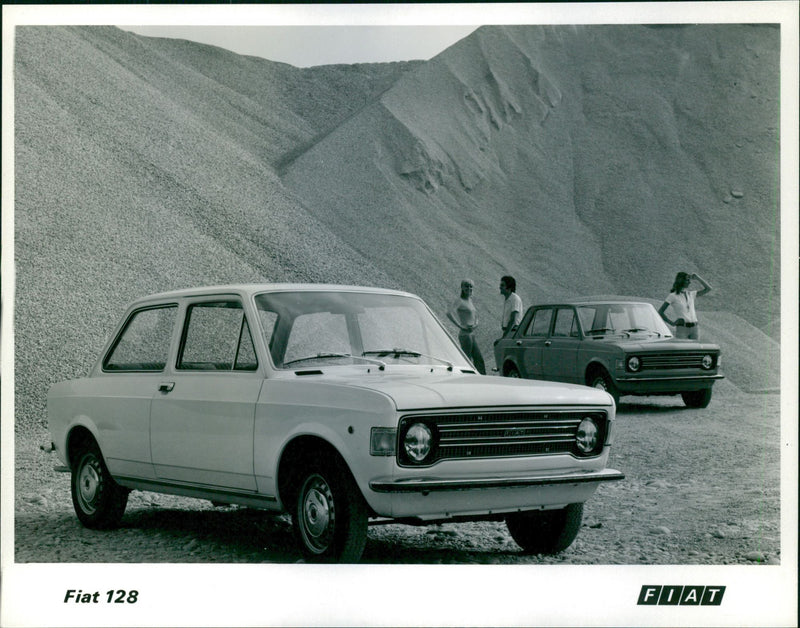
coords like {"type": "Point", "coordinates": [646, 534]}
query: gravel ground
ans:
{"type": "Point", "coordinates": [701, 488]}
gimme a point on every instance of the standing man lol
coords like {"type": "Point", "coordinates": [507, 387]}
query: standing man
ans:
{"type": "Point", "coordinates": [682, 301]}
{"type": "Point", "coordinates": [464, 316]}
{"type": "Point", "coordinates": [512, 308]}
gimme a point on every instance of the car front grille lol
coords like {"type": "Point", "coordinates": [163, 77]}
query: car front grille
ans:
{"type": "Point", "coordinates": [494, 435]}
{"type": "Point", "coordinates": [685, 360]}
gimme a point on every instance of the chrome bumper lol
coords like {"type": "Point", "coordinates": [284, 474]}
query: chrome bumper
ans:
{"type": "Point", "coordinates": [427, 485]}
{"type": "Point", "coordinates": [683, 378]}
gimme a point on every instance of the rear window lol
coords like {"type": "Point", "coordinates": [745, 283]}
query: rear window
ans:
{"type": "Point", "coordinates": [144, 342]}
{"type": "Point", "coordinates": [540, 323]}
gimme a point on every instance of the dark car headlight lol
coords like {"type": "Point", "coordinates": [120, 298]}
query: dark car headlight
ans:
{"type": "Point", "coordinates": [634, 363]}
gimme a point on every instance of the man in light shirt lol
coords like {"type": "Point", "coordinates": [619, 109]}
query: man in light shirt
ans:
{"type": "Point", "coordinates": [681, 299]}
{"type": "Point", "coordinates": [512, 308]}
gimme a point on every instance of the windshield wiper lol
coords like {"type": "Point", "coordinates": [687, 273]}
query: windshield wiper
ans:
{"type": "Point", "coordinates": [324, 356]}
{"type": "Point", "coordinates": [638, 329]}
{"type": "Point", "coordinates": [599, 330]}
{"type": "Point", "coordinates": [414, 354]}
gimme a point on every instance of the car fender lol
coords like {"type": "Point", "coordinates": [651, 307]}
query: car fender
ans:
{"type": "Point", "coordinates": [599, 361]}
{"type": "Point", "coordinates": [344, 422]}
{"type": "Point", "coordinates": [63, 418]}
{"type": "Point", "coordinates": [510, 361]}
{"type": "Point", "coordinates": [77, 422]}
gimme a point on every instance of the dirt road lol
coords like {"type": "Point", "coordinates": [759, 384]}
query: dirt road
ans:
{"type": "Point", "coordinates": [701, 487]}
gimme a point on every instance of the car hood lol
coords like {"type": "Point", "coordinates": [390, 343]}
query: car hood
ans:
{"type": "Point", "coordinates": [649, 344]}
{"type": "Point", "coordinates": [449, 391]}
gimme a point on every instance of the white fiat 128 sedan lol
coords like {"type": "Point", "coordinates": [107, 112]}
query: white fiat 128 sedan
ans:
{"type": "Point", "coordinates": [342, 406]}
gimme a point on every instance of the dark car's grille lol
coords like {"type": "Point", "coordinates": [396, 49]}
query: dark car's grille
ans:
{"type": "Point", "coordinates": [493, 435]}
{"type": "Point", "coordinates": [687, 360]}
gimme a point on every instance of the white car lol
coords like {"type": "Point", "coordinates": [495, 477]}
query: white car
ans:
{"type": "Point", "coordinates": [339, 405]}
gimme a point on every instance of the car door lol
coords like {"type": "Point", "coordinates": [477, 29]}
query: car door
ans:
{"type": "Point", "coordinates": [132, 369]}
{"type": "Point", "coordinates": [202, 417]}
{"type": "Point", "coordinates": [532, 340]}
{"type": "Point", "coordinates": [560, 350]}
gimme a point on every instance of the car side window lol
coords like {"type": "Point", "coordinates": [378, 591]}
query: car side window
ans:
{"type": "Point", "coordinates": [144, 343]}
{"type": "Point", "coordinates": [540, 323]}
{"type": "Point", "coordinates": [217, 337]}
{"type": "Point", "coordinates": [566, 324]}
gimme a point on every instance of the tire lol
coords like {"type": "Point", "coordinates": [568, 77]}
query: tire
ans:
{"type": "Point", "coordinates": [511, 371]}
{"type": "Point", "coordinates": [330, 515]}
{"type": "Point", "coordinates": [603, 381]}
{"type": "Point", "coordinates": [545, 531]}
{"type": "Point", "coordinates": [98, 500]}
{"type": "Point", "coordinates": [697, 398]}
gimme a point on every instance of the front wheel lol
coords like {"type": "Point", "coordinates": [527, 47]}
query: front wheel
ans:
{"type": "Point", "coordinates": [697, 398]}
{"type": "Point", "coordinates": [330, 515]}
{"type": "Point", "coordinates": [602, 380]}
{"type": "Point", "coordinates": [98, 500]}
{"type": "Point", "coordinates": [545, 531]}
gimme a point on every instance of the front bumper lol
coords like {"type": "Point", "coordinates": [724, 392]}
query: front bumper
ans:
{"type": "Point", "coordinates": [427, 485]}
{"type": "Point", "coordinates": [665, 384]}
{"type": "Point", "coordinates": [441, 498]}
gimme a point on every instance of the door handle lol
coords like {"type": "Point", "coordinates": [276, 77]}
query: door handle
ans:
{"type": "Point", "coordinates": [519, 343]}
{"type": "Point", "coordinates": [166, 387]}
{"type": "Point", "coordinates": [547, 343]}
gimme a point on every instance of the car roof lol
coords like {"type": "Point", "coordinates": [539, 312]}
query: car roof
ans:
{"type": "Point", "coordinates": [593, 302]}
{"type": "Point", "coordinates": [247, 289]}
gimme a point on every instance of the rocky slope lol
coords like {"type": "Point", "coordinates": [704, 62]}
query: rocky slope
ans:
{"type": "Point", "coordinates": [580, 159]}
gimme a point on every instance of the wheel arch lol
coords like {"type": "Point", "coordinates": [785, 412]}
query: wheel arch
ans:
{"type": "Point", "coordinates": [78, 438]}
{"type": "Point", "coordinates": [595, 367]}
{"type": "Point", "coordinates": [299, 449]}
{"type": "Point", "coordinates": [508, 364]}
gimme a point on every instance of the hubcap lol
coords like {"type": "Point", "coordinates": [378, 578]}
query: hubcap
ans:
{"type": "Point", "coordinates": [88, 486]}
{"type": "Point", "coordinates": [601, 384]}
{"type": "Point", "coordinates": [318, 514]}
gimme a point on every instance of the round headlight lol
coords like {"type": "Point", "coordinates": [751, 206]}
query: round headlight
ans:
{"type": "Point", "coordinates": [417, 442]}
{"type": "Point", "coordinates": [634, 363]}
{"type": "Point", "coordinates": [708, 361]}
{"type": "Point", "coordinates": [587, 435]}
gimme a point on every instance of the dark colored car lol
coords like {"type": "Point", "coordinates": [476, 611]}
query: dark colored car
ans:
{"type": "Point", "coordinates": [623, 347]}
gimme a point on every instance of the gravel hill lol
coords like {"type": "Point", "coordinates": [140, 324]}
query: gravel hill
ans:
{"type": "Point", "coordinates": [579, 159]}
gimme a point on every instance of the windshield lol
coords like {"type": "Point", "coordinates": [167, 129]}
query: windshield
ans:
{"type": "Point", "coordinates": [600, 319]}
{"type": "Point", "coordinates": [309, 329]}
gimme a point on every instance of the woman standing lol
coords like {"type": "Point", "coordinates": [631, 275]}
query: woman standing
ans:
{"type": "Point", "coordinates": [464, 316]}
{"type": "Point", "coordinates": [682, 301]}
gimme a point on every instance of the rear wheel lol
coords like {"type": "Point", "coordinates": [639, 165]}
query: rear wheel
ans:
{"type": "Point", "coordinates": [330, 515]}
{"type": "Point", "coordinates": [602, 380]}
{"type": "Point", "coordinates": [98, 500]}
{"type": "Point", "coordinates": [511, 371]}
{"type": "Point", "coordinates": [545, 531]}
{"type": "Point", "coordinates": [697, 398]}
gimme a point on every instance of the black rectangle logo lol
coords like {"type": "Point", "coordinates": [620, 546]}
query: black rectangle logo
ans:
{"type": "Point", "coordinates": [680, 595]}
